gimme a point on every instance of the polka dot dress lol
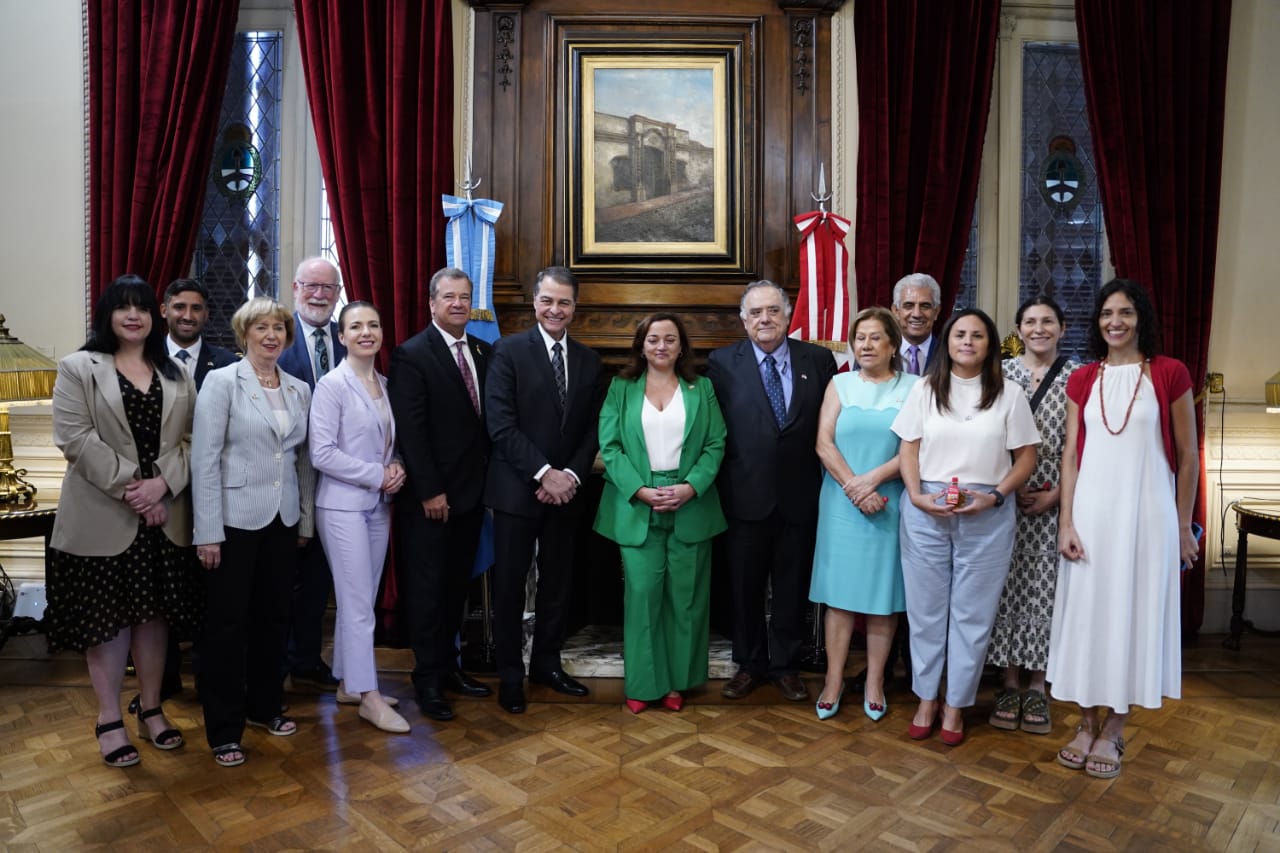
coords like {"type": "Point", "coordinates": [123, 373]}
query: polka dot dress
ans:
{"type": "Point", "coordinates": [92, 598]}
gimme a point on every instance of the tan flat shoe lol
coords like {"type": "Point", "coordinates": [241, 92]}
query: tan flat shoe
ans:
{"type": "Point", "coordinates": [388, 720]}
{"type": "Point", "coordinates": [345, 698]}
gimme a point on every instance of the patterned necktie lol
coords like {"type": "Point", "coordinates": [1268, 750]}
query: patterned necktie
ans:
{"type": "Point", "coordinates": [322, 354]}
{"type": "Point", "coordinates": [183, 356]}
{"type": "Point", "coordinates": [557, 367]}
{"type": "Point", "coordinates": [467, 378]}
{"type": "Point", "coordinates": [913, 360]}
{"type": "Point", "coordinates": [773, 388]}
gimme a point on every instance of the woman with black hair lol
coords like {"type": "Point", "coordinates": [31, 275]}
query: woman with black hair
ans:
{"type": "Point", "coordinates": [1124, 526]}
{"type": "Point", "coordinates": [1020, 636]}
{"type": "Point", "coordinates": [120, 577]}
{"type": "Point", "coordinates": [968, 443]}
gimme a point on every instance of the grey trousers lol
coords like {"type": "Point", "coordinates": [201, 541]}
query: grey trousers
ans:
{"type": "Point", "coordinates": [954, 570]}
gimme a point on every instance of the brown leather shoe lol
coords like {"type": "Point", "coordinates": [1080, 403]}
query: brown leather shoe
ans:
{"type": "Point", "coordinates": [792, 688]}
{"type": "Point", "coordinates": [740, 685]}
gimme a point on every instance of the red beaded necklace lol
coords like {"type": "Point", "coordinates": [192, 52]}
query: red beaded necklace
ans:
{"type": "Point", "coordinates": [1102, 398]}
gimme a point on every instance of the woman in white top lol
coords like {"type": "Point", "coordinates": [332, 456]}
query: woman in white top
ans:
{"type": "Point", "coordinates": [252, 489]}
{"type": "Point", "coordinates": [964, 423]}
{"type": "Point", "coordinates": [353, 451]}
{"type": "Point", "coordinates": [662, 440]}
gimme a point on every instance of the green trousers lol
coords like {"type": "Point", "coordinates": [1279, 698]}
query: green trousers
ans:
{"type": "Point", "coordinates": [666, 610]}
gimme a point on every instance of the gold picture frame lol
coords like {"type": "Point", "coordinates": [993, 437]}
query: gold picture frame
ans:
{"type": "Point", "coordinates": [655, 156]}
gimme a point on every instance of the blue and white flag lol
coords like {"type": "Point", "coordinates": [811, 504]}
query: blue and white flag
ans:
{"type": "Point", "coordinates": [469, 242]}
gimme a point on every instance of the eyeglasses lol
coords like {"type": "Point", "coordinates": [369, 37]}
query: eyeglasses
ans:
{"type": "Point", "coordinates": [321, 287]}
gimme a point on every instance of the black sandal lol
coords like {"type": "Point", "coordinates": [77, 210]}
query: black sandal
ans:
{"type": "Point", "coordinates": [1035, 713]}
{"type": "Point", "coordinates": [222, 755]}
{"type": "Point", "coordinates": [1007, 702]}
{"type": "Point", "coordinates": [170, 738]}
{"type": "Point", "coordinates": [116, 757]}
{"type": "Point", "coordinates": [276, 725]}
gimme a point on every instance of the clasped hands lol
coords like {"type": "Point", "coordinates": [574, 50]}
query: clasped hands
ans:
{"type": "Point", "coordinates": [860, 489]}
{"type": "Point", "coordinates": [556, 487]}
{"type": "Point", "coordinates": [666, 498]}
{"type": "Point", "coordinates": [392, 478]}
{"type": "Point", "coordinates": [936, 503]}
{"type": "Point", "coordinates": [146, 498]}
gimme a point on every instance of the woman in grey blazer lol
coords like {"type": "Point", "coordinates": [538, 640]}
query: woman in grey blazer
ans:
{"type": "Point", "coordinates": [353, 449]}
{"type": "Point", "coordinates": [253, 490]}
{"type": "Point", "coordinates": [120, 572]}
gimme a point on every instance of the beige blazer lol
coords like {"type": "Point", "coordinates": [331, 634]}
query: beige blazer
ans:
{"type": "Point", "coordinates": [92, 431]}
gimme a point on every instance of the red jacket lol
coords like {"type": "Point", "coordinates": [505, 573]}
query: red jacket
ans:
{"type": "Point", "coordinates": [1171, 380]}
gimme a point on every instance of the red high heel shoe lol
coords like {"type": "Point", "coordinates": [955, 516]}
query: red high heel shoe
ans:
{"type": "Point", "coordinates": [636, 705]}
{"type": "Point", "coordinates": [673, 701]}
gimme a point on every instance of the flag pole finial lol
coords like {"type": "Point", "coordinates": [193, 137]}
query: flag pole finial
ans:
{"type": "Point", "coordinates": [822, 196]}
{"type": "Point", "coordinates": [467, 183]}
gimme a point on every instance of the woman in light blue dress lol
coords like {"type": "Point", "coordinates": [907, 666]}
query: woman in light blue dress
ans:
{"type": "Point", "coordinates": [857, 566]}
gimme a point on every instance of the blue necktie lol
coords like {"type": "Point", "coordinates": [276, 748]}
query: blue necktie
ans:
{"type": "Point", "coordinates": [322, 354]}
{"type": "Point", "coordinates": [773, 388]}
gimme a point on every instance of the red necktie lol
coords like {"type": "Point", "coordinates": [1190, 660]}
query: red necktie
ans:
{"type": "Point", "coordinates": [467, 378]}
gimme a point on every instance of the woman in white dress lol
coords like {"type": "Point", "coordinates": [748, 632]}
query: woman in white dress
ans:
{"type": "Point", "coordinates": [1124, 528]}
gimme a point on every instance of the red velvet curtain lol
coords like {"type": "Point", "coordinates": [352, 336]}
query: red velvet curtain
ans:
{"type": "Point", "coordinates": [380, 82]}
{"type": "Point", "coordinates": [924, 92]}
{"type": "Point", "coordinates": [157, 69]}
{"type": "Point", "coordinates": [1155, 76]}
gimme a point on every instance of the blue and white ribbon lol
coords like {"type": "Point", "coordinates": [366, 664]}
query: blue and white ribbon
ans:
{"type": "Point", "coordinates": [469, 242]}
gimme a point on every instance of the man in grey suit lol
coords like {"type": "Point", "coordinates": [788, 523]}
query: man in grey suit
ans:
{"type": "Point", "coordinates": [770, 389]}
{"type": "Point", "coordinates": [314, 352]}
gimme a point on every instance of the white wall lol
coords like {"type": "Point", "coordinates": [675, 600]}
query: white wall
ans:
{"type": "Point", "coordinates": [1242, 456]}
{"type": "Point", "coordinates": [42, 292]}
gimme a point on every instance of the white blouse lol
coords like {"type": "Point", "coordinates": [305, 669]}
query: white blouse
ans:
{"type": "Point", "coordinates": [967, 443]}
{"type": "Point", "coordinates": [664, 432]}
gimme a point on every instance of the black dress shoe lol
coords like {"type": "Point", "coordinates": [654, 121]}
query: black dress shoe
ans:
{"type": "Point", "coordinates": [318, 676]}
{"type": "Point", "coordinates": [461, 683]}
{"type": "Point", "coordinates": [434, 704]}
{"type": "Point", "coordinates": [559, 681]}
{"type": "Point", "coordinates": [511, 698]}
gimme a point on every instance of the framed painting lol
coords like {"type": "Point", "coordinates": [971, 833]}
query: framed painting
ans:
{"type": "Point", "coordinates": [654, 151]}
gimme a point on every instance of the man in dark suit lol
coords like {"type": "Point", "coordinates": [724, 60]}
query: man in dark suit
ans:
{"type": "Point", "coordinates": [436, 384]}
{"type": "Point", "coordinates": [185, 310]}
{"type": "Point", "coordinates": [770, 389]}
{"type": "Point", "coordinates": [315, 351]}
{"type": "Point", "coordinates": [542, 403]}
{"type": "Point", "coordinates": [917, 299]}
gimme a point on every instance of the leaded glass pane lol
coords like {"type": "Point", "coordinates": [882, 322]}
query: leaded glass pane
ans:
{"type": "Point", "coordinates": [967, 297]}
{"type": "Point", "coordinates": [1061, 240]}
{"type": "Point", "coordinates": [236, 254]}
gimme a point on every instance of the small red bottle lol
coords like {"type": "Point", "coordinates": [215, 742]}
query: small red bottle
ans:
{"type": "Point", "coordinates": [954, 496]}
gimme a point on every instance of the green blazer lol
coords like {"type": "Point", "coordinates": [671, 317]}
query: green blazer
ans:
{"type": "Point", "coordinates": [622, 516]}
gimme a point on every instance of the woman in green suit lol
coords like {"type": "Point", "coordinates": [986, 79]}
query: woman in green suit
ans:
{"type": "Point", "coordinates": [662, 439]}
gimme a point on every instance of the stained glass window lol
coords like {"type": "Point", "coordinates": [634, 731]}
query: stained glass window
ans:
{"type": "Point", "coordinates": [236, 255]}
{"type": "Point", "coordinates": [1061, 239]}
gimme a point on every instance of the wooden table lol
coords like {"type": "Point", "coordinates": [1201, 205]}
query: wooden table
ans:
{"type": "Point", "coordinates": [1261, 518]}
{"type": "Point", "coordinates": [27, 523]}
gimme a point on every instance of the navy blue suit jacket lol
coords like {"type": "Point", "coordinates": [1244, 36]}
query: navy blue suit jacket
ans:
{"type": "Point", "coordinates": [296, 360]}
{"type": "Point", "coordinates": [211, 357]}
{"type": "Point", "coordinates": [767, 467]}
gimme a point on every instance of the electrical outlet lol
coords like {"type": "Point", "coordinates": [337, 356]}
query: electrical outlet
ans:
{"type": "Point", "coordinates": [1215, 383]}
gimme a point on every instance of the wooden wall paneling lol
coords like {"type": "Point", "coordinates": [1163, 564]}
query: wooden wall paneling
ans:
{"type": "Point", "coordinates": [520, 149]}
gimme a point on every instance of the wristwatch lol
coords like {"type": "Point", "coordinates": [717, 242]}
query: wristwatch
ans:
{"type": "Point", "coordinates": [995, 493]}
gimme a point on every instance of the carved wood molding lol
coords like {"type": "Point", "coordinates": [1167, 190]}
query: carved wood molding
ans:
{"type": "Point", "coordinates": [829, 7]}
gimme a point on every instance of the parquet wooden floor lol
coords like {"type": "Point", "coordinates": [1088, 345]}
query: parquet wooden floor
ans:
{"type": "Point", "coordinates": [1200, 774]}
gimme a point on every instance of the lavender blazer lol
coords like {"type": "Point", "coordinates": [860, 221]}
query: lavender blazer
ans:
{"type": "Point", "coordinates": [349, 443]}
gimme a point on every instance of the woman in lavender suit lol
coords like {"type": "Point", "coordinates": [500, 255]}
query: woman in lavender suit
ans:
{"type": "Point", "coordinates": [353, 449]}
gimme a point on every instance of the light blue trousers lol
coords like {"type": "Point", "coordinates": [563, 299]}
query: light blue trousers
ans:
{"type": "Point", "coordinates": [355, 543]}
{"type": "Point", "coordinates": [954, 570]}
